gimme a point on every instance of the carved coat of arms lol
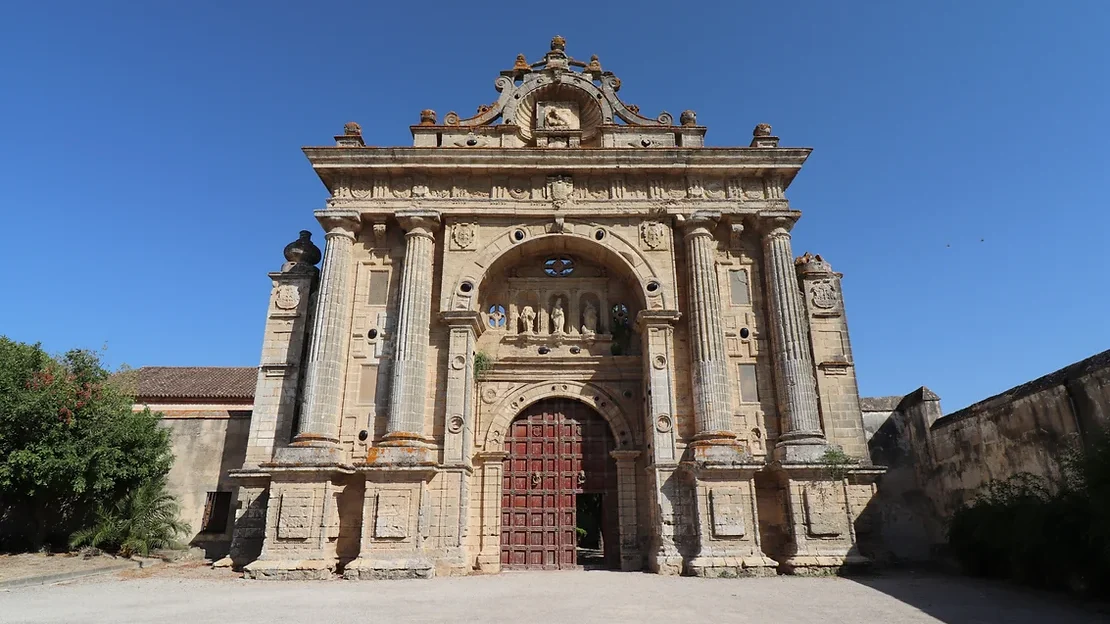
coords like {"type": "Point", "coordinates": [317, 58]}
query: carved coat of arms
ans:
{"type": "Point", "coordinates": [653, 234]}
{"type": "Point", "coordinates": [825, 295]}
{"type": "Point", "coordinates": [288, 296]}
{"type": "Point", "coordinates": [562, 190]}
{"type": "Point", "coordinates": [464, 235]}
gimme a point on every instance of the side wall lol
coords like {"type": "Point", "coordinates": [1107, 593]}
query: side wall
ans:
{"type": "Point", "coordinates": [207, 441]}
{"type": "Point", "coordinates": [939, 463]}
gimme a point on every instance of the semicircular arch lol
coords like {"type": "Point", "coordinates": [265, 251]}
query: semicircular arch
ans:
{"type": "Point", "coordinates": [506, 410]}
{"type": "Point", "coordinates": [611, 250]}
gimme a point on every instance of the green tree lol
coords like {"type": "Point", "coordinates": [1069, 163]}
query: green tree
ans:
{"type": "Point", "coordinates": [70, 444]}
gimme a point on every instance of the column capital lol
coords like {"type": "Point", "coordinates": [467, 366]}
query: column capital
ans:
{"type": "Point", "coordinates": [624, 456]}
{"type": "Point", "coordinates": [468, 319]}
{"type": "Point", "coordinates": [344, 225]}
{"type": "Point", "coordinates": [649, 318]}
{"type": "Point", "coordinates": [699, 223]}
{"type": "Point", "coordinates": [418, 222]}
{"type": "Point", "coordinates": [771, 225]}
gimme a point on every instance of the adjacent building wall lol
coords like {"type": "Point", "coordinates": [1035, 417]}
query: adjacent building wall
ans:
{"type": "Point", "coordinates": [939, 463]}
{"type": "Point", "coordinates": [207, 441]}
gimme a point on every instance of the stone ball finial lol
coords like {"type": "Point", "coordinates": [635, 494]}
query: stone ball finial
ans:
{"type": "Point", "coordinates": [762, 130]}
{"type": "Point", "coordinates": [521, 63]}
{"type": "Point", "coordinates": [688, 118]}
{"type": "Point", "coordinates": [427, 117]}
{"type": "Point", "coordinates": [351, 128]}
{"type": "Point", "coordinates": [558, 42]}
{"type": "Point", "coordinates": [303, 250]}
{"type": "Point", "coordinates": [594, 64]}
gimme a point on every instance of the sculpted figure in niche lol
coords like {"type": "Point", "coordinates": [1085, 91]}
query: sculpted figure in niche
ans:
{"type": "Point", "coordinates": [528, 316]}
{"type": "Point", "coordinates": [556, 118]}
{"type": "Point", "coordinates": [589, 320]}
{"type": "Point", "coordinates": [558, 317]}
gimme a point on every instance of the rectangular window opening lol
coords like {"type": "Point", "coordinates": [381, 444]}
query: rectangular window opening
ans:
{"type": "Point", "coordinates": [217, 508]}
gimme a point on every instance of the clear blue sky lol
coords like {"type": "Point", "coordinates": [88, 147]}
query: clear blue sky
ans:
{"type": "Point", "coordinates": [151, 166]}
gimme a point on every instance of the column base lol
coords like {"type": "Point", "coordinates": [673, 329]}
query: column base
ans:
{"type": "Point", "coordinates": [732, 567]}
{"type": "Point", "coordinates": [309, 452]}
{"type": "Point", "coordinates": [401, 449]}
{"type": "Point", "coordinates": [809, 450]}
{"type": "Point", "coordinates": [717, 448]}
{"type": "Point", "coordinates": [824, 565]}
{"type": "Point", "coordinates": [411, 567]}
{"type": "Point", "coordinates": [289, 570]}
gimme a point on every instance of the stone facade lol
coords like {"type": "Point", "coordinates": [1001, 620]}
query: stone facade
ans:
{"type": "Point", "coordinates": [556, 245]}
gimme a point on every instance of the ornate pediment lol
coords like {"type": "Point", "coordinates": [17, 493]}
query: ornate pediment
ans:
{"type": "Point", "coordinates": [558, 101]}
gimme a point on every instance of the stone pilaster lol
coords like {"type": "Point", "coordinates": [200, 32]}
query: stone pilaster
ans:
{"type": "Point", "coordinates": [631, 555]}
{"type": "Point", "coordinates": [490, 469]}
{"type": "Point", "coordinates": [317, 436]}
{"type": "Point", "coordinates": [801, 438]}
{"type": "Point", "coordinates": [656, 328]}
{"type": "Point", "coordinates": [408, 392]}
{"type": "Point", "coordinates": [465, 327]}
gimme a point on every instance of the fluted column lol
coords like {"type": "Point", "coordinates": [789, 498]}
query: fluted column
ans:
{"type": "Point", "coordinates": [408, 392]}
{"type": "Point", "coordinates": [319, 421]}
{"type": "Point", "coordinates": [797, 394]}
{"type": "Point", "coordinates": [707, 338]}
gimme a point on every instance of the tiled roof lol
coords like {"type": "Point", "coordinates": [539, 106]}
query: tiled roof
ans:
{"type": "Point", "coordinates": [195, 382]}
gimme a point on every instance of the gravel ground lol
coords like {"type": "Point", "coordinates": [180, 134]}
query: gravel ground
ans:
{"type": "Point", "coordinates": [196, 595]}
{"type": "Point", "coordinates": [37, 564]}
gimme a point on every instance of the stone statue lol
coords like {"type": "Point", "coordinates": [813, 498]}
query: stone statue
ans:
{"type": "Point", "coordinates": [558, 318]}
{"type": "Point", "coordinates": [528, 315]}
{"type": "Point", "coordinates": [589, 320]}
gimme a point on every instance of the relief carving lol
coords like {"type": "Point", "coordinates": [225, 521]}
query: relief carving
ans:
{"type": "Point", "coordinates": [727, 509]}
{"type": "Point", "coordinates": [653, 234]}
{"type": "Point", "coordinates": [824, 515]}
{"type": "Point", "coordinates": [288, 296]}
{"type": "Point", "coordinates": [464, 235]}
{"type": "Point", "coordinates": [825, 295]}
{"type": "Point", "coordinates": [392, 518]}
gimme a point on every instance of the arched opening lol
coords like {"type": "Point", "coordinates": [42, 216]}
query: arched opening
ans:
{"type": "Point", "coordinates": [559, 502]}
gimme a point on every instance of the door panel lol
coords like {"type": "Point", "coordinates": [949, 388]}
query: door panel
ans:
{"type": "Point", "coordinates": [557, 449]}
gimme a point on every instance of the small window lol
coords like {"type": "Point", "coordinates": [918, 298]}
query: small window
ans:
{"type": "Point", "coordinates": [560, 266]}
{"type": "Point", "coordinates": [738, 287]}
{"type": "Point", "coordinates": [749, 384]}
{"type": "Point", "coordinates": [217, 507]}
{"type": "Point", "coordinates": [496, 316]}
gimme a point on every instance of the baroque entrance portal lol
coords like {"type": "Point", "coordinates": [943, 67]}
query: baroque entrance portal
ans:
{"type": "Point", "coordinates": [558, 452]}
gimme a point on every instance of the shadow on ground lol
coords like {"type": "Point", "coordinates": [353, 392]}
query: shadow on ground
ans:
{"type": "Point", "coordinates": [958, 599]}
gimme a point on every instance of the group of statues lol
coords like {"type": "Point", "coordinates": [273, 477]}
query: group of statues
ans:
{"type": "Point", "coordinates": [558, 319]}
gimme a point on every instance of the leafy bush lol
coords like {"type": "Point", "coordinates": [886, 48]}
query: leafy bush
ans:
{"type": "Point", "coordinates": [69, 442]}
{"type": "Point", "coordinates": [1048, 533]}
{"type": "Point", "coordinates": [482, 364]}
{"type": "Point", "coordinates": [143, 520]}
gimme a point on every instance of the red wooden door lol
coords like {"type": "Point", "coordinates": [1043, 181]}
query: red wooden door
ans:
{"type": "Point", "coordinates": [557, 449]}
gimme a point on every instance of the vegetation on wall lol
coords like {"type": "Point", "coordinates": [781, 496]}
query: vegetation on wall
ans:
{"type": "Point", "coordinates": [73, 453]}
{"type": "Point", "coordinates": [1053, 534]}
{"type": "Point", "coordinates": [837, 463]}
{"type": "Point", "coordinates": [482, 364]}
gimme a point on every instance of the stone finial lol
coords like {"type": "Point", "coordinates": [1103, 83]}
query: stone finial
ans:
{"type": "Point", "coordinates": [761, 136]}
{"type": "Point", "coordinates": [521, 63]}
{"type": "Point", "coordinates": [688, 118]}
{"type": "Point", "coordinates": [559, 43]}
{"type": "Point", "coordinates": [351, 137]}
{"type": "Point", "coordinates": [427, 117]}
{"type": "Point", "coordinates": [594, 65]}
{"type": "Point", "coordinates": [810, 263]}
{"type": "Point", "coordinates": [301, 251]}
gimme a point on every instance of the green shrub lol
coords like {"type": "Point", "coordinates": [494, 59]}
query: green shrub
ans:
{"type": "Point", "coordinates": [144, 519]}
{"type": "Point", "coordinates": [1052, 534]}
{"type": "Point", "coordinates": [69, 442]}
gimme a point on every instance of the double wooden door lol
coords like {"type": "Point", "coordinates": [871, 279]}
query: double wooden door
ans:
{"type": "Point", "coordinates": [557, 449]}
